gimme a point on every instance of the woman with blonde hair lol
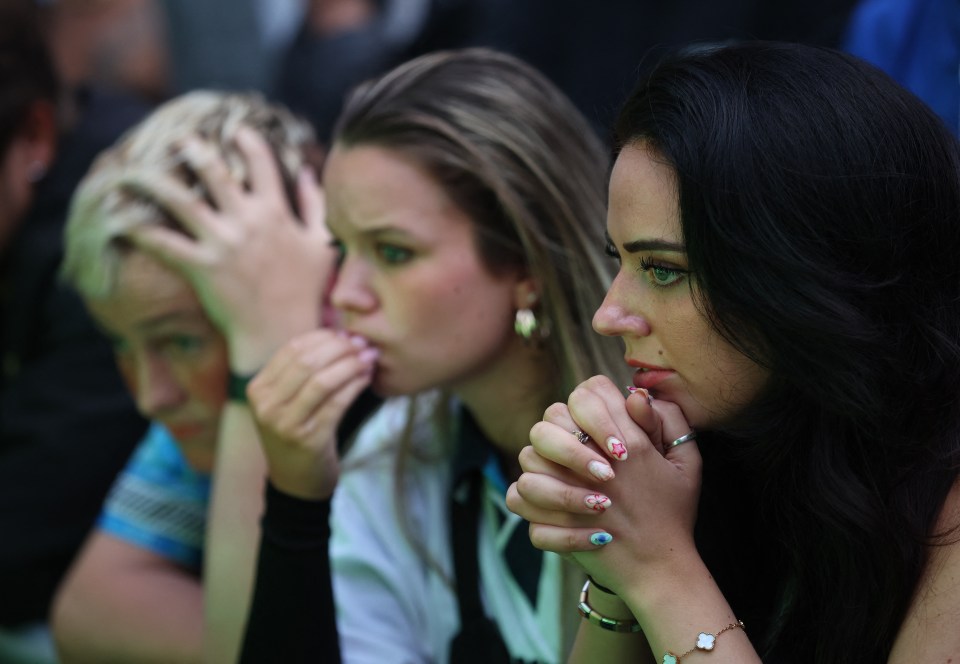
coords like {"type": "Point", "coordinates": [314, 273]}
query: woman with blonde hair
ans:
{"type": "Point", "coordinates": [464, 193]}
{"type": "Point", "coordinates": [155, 581]}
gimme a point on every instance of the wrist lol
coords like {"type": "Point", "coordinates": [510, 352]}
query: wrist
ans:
{"type": "Point", "coordinates": [237, 386]}
{"type": "Point", "coordinates": [597, 608]}
{"type": "Point", "coordinates": [663, 584]}
{"type": "Point", "coordinates": [248, 351]}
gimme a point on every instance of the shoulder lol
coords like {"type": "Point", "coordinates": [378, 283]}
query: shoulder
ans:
{"type": "Point", "coordinates": [929, 633]}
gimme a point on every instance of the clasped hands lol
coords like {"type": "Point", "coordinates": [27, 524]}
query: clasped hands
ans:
{"type": "Point", "coordinates": [648, 503]}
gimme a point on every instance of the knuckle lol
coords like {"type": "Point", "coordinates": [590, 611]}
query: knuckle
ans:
{"type": "Point", "coordinates": [514, 500]}
{"type": "Point", "coordinates": [527, 456]}
{"type": "Point", "coordinates": [538, 537]}
{"type": "Point", "coordinates": [555, 411]}
{"type": "Point", "coordinates": [597, 383]}
{"type": "Point", "coordinates": [538, 431]}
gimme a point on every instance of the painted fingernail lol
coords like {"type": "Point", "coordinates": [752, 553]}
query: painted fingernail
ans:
{"type": "Point", "coordinates": [599, 539]}
{"type": "Point", "coordinates": [369, 355]}
{"type": "Point", "coordinates": [600, 470]}
{"type": "Point", "coordinates": [597, 502]}
{"type": "Point", "coordinates": [616, 448]}
{"type": "Point", "coordinates": [358, 341]}
{"type": "Point", "coordinates": [642, 390]}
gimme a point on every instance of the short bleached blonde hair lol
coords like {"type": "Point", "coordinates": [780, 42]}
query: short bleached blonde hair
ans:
{"type": "Point", "coordinates": [103, 210]}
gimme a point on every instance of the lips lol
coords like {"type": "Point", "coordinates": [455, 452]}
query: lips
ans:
{"type": "Point", "coordinates": [648, 376]}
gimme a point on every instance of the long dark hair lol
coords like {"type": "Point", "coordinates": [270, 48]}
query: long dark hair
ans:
{"type": "Point", "coordinates": [820, 207]}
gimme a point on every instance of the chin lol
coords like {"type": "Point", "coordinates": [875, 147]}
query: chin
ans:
{"type": "Point", "coordinates": [386, 384]}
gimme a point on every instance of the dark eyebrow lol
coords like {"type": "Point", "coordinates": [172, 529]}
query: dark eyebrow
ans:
{"type": "Point", "coordinates": [653, 245]}
{"type": "Point", "coordinates": [647, 245]}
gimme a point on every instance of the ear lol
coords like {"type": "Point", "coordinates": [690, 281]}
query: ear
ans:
{"type": "Point", "coordinates": [38, 137]}
{"type": "Point", "coordinates": [526, 293]}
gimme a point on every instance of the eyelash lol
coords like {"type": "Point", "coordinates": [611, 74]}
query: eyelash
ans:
{"type": "Point", "coordinates": [383, 252]}
{"type": "Point", "coordinates": [610, 250]}
{"type": "Point", "coordinates": [648, 265]}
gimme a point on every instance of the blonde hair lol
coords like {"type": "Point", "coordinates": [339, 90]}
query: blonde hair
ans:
{"type": "Point", "coordinates": [515, 154]}
{"type": "Point", "coordinates": [103, 210]}
{"type": "Point", "coordinates": [519, 159]}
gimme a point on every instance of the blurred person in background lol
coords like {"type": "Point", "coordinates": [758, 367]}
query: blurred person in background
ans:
{"type": "Point", "coordinates": [66, 422]}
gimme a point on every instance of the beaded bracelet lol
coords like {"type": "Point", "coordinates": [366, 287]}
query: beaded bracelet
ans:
{"type": "Point", "coordinates": [705, 641]}
{"type": "Point", "coordinates": [594, 618]}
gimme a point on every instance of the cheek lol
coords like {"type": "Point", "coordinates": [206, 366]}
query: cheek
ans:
{"type": "Point", "coordinates": [207, 378]}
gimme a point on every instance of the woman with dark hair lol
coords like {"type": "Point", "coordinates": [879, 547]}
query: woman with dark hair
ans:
{"type": "Point", "coordinates": [789, 295]}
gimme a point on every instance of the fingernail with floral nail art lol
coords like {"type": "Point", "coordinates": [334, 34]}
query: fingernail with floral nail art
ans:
{"type": "Point", "coordinates": [597, 502]}
{"type": "Point", "coordinates": [617, 449]}
{"type": "Point", "coordinates": [600, 470]}
{"type": "Point", "coordinates": [599, 539]}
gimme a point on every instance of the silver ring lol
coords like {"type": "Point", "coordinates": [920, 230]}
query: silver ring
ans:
{"type": "Point", "coordinates": [685, 438]}
{"type": "Point", "coordinates": [581, 436]}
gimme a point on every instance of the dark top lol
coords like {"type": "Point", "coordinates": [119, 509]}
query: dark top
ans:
{"type": "Point", "coordinates": [293, 619]}
{"type": "Point", "coordinates": [67, 424]}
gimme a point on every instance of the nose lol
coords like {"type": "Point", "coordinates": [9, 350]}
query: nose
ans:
{"type": "Point", "coordinates": [156, 389]}
{"type": "Point", "coordinates": [618, 316]}
{"type": "Point", "coordinates": [352, 292]}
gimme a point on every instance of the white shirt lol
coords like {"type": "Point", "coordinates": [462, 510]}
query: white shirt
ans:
{"type": "Point", "coordinates": [392, 606]}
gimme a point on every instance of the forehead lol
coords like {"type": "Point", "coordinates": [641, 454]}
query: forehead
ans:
{"type": "Point", "coordinates": [371, 188]}
{"type": "Point", "coordinates": [643, 197]}
{"type": "Point", "coordinates": [147, 294]}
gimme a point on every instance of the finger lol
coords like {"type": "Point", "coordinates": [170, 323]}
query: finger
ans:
{"type": "Point", "coordinates": [208, 164]}
{"type": "Point", "coordinates": [675, 426]}
{"type": "Point", "coordinates": [264, 169]}
{"type": "Point", "coordinates": [183, 205]}
{"type": "Point", "coordinates": [321, 388]}
{"type": "Point", "coordinates": [167, 245]}
{"type": "Point", "coordinates": [568, 540]}
{"type": "Point", "coordinates": [535, 514]}
{"type": "Point", "coordinates": [558, 445]}
{"type": "Point", "coordinates": [285, 374]}
{"type": "Point", "coordinates": [640, 409]}
{"type": "Point", "coordinates": [312, 201]}
{"type": "Point", "coordinates": [550, 493]}
{"type": "Point", "coordinates": [300, 351]}
{"type": "Point", "coordinates": [599, 408]}
{"type": "Point", "coordinates": [532, 462]}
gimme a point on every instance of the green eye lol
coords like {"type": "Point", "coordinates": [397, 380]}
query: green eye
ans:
{"type": "Point", "coordinates": [661, 276]}
{"type": "Point", "coordinates": [391, 254]}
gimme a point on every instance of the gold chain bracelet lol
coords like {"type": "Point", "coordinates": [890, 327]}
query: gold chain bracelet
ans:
{"type": "Point", "coordinates": [705, 641]}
